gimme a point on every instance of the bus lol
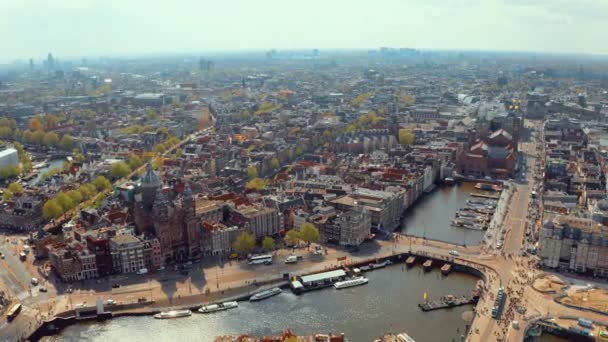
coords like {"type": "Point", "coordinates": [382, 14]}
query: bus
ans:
{"type": "Point", "coordinates": [265, 259]}
{"type": "Point", "coordinates": [13, 312]}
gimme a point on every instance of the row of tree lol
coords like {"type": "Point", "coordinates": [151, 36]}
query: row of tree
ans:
{"type": "Point", "coordinates": [245, 243]}
{"type": "Point", "coordinates": [13, 188]}
{"type": "Point", "coordinates": [65, 201]}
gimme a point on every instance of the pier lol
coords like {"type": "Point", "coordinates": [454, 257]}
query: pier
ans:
{"type": "Point", "coordinates": [448, 301]}
{"type": "Point", "coordinates": [494, 197]}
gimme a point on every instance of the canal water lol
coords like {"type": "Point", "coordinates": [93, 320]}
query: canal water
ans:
{"type": "Point", "coordinates": [53, 164]}
{"type": "Point", "coordinates": [388, 303]}
{"type": "Point", "coordinates": [431, 216]}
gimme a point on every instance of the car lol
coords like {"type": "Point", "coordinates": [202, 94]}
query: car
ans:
{"type": "Point", "coordinates": [42, 289]}
{"type": "Point", "coordinates": [69, 290]}
{"type": "Point", "coordinates": [34, 281]}
{"type": "Point", "coordinates": [110, 302]}
{"type": "Point", "coordinates": [317, 252]}
{"type": "Point", "coordinates": [454, 253]}
{"type": "Point", "coordinates": [115, 286]}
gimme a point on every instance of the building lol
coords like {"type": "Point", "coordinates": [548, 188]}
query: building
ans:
{"type": "Point", "coordinates": [570, 243]}
{"type": "Point", "coordinates": [385, 207]}
{"type": "Point", "coordinates": [23, 214]}
{"type": "Point", "coordinates": [127, 253]}
{"type": "Point", "coordinates": [8, 157]}
{"type": "Point", "coordinates": [493, 156]}
{"type": "Point", "coordinates": [73, 262]}
{"type": "Point", "coordinates": [354, 225]}
{"type": "Point", "coordinates": [259, 220]}
{"type": "Point", "coordinates": [222, 237]}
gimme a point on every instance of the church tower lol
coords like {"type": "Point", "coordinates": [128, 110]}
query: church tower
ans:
{"type": "Point", "coordinates": [190, 223]}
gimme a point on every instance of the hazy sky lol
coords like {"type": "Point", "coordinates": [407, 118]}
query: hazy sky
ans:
{"type": "Point", "coordinates": [71, 28]}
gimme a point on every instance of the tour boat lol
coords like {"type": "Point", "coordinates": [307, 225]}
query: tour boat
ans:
{"type": "Point", "coordinates": [403, 337]}
{"type": "Point", "coordinates": [350, 283]}
{"type": "Point", "coordinates": [265, 294]}
{"type": "Point", "coordinates": [173, 314]}
{"type": "Point", "coordinates": [218, 307]}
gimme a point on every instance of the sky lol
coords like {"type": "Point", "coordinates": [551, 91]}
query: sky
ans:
{"type": "Point", "coordinates": [92, 28]}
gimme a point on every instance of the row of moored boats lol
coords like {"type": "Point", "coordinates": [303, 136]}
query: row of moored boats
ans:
{"type": "Point", "coordinates": [210, 308]}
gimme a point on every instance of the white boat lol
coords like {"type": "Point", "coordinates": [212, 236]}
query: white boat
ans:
{"type": "Point", "coordinates": [351, 282]}
{"type": "Point", "coordinates": [403, 337]}
{"type": "Point", "coordinates": [218, 307]}
{"type": "Point", "coordinates": [173, 314]}
{"type": "Point", "coordinates": [265, 294]}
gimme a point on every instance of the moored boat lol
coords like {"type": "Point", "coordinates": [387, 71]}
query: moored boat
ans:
{"type": "Point", "coordinates": [173, 314]}
{"type": "Point", "coordinates": [265, 294]}
{"type": "Point", "coordinates": [403, 337]}
{"type": "Point", "coordinates": [351, 282]}
{"type": "Point", "coordinates": [218, 307]}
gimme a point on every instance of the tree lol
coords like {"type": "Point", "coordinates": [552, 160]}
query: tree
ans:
{"type": "Point", "coordinates": [102, 183]}
{"type": "Point", "coordinates": [35, 124]}
{"type": "Point", "coordinates": [99, 200]}
{"type": "Point", "coordinates": [268, 243]}
{"type": "Point", "coordinates": [274, 162]}
{"type": "Point", "coordinates": [75, 195]}
{"type": "Point", "coordinates": [7, 195]}
{"type": "Point", "coordinates": [257, 184]}
{"type": "Point", "coordinates": [38, 137]}
{"type": "Point", "coordinates": [244, 243]}
{"type": "Point", "coordinates": [252, 172]}
{"type": "Point", "coordinates": [10, 171]}
{"type": "Point", "coordinates": [151, 114]}
{"type": "Point", "coordinates": [293, 237]}
{"type": "Point", "coordinates": [15, 188]}
{"type": "Point", "coordinates": [120, 169]}
{"type": "Point", "coordinates": [87, 191]}
{"type": "Point", "coordinates": [406, 137]}
{"type": "Point", "coordinates": [135, 161]}
{"type": "Point", "coordinates": [17, 134]}
{"type": "Point", "coordinates": [65, 202]}
{"type": "Point", "coordinates": [51, 121]}
{"type": "Point", "coordinates": [51, 209]}
{"type": "Point", "coordinates": [309, 233]}
{"type": "Point", "coordinates": [66, 143]}
{"type": "Point", "coordinates": [50, 139]}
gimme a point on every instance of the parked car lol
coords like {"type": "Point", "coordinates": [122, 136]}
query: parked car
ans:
{"type": "Point", "coordinates": [110, 302]}
{"type": "Point", "coordinates": [115, 286]}
{"type": "Point", "coordinates": [42, 289]}
{"type": "Point", "coordinates": [454, 253]}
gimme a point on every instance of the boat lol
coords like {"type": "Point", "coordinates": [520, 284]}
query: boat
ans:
{"type": "Point", "coordinates": [351, 282]}
{"type": "Point", "coordinates": [403, 337]}
{"type": "Point", "coordinates": [375, 266]}
{"type": "Point", "coordinates": [265, 294]}
{"type": "Point", "coordinates": [218, 307]}
{"type": "Point", "coordinates": [173, 314]}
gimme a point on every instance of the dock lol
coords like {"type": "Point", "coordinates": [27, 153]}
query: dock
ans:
{"type": "Point", "coordinates": [428, 265]}
{"type": "Point", "coordinates": [446, 269]}
{"type": "Point", "coordinates": [494, 197]}
{"type": "Point", "coordinates": [447, 301]}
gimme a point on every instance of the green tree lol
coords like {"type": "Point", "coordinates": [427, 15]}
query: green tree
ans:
{"type": "Point", "coordinates": [51, 209]}
{"type": "Point", "coordinates": [293, 237]}
{"type": "Point", "coordinates": [309, 233]}
{"type": "Point", "coordinates": [274, 163]}
{"type": "Point", "coordinates": [10, 171]}
{"type": "Point", "coordinates": [252, 172]}
{"type": "Point", "coordinates": [406, 137]}
{"type": "Point", "coordinates": [75, 195]}
{"type": "Point", "coordinates": [28, 137]}
{"type": "Point", "coordinates": [87, 191]}
{"type": "Point", "coordinates": [15, 188]}
{"type": "Point", "coordinates": [50, 139]}
{"type": "Point", "coordinates": [17, 134]}
{"type": "Point", "coordinates": [268, 243]}
{"type": "Point", "coordinates": [102, 183]}
{"type": "Point", "coordinates": [244, 243]}
{"type": "Point", "coordinates": [257, 184]}
{"type": "Point", "coordinates": [120, 169]}
{"type": "Point", "coordinates": [152, 114]}
{"type": "Point", "coordinates": [38, 137]}
{"type": "Point", "coordinates": [135, 161]}
{"type": "Point", "coordinates": [66, 143]}
{"type": "Point", "coordinates": [7, 195]}
{"type": "Point", "coordinates": [99, 200]}
{"type": "Point", "coordinates": [65, 202]}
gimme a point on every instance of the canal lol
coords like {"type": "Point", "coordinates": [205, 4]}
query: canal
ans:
{"type": "Point", "coordinates": [430, 217]}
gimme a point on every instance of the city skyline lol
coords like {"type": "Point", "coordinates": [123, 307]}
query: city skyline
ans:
{"type": "Point", "coordinates": [111, 28]}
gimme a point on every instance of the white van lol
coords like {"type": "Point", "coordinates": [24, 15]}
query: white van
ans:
{"type": "Point", "coordinates": [34, 281]}
{"type": "Point", "coordinates": [143, 271]}
{"type": "Point", "coordinates": [292, 259]}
